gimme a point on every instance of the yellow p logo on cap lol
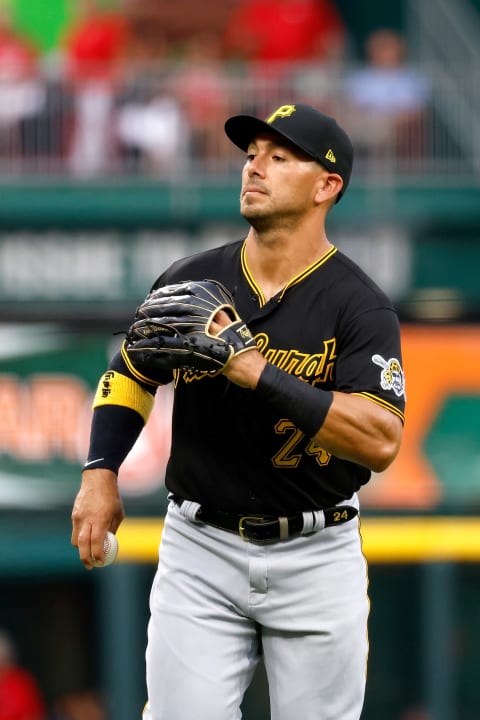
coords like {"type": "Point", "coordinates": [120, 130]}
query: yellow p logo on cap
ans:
{"type": "Point", "coordinates": [282, 112]}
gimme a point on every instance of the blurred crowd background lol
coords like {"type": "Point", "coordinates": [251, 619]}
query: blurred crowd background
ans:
{"type": "Point", "coordinates": [99, 87]}
{"type": "Point", "coordinates": [114, 163]}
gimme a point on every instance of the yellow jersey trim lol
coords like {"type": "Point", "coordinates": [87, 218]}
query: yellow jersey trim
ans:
{"type": "Point", "coordinates": [294, 281]}
{"type": "Point", "coordinates": [249, 277]}
{"type": "Point", "coordinates": [117, 389]}
{"type": "Point", "coordinates": [382, 403]}
{"type": "Point", "coordinates": [309, 270]}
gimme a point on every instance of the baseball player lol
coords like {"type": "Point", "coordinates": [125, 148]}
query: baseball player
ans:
{"type": "Point", "coordinates": [289, 391]}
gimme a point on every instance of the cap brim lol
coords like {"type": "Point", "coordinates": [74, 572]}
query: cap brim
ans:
{"type": "Point", "coordinates": [241, 129]}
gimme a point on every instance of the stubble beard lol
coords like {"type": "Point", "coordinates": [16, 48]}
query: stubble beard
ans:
{"type": "Point", "coordinates": [264, 221]}
{"type": "Point", "coordinates": [260, 220]}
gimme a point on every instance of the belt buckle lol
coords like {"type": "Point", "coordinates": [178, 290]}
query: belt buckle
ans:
{"type": "Point", "coordinates": [241, 526]}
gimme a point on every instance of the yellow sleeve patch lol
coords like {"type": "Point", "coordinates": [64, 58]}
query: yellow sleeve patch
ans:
{"type": "Point", "coordinates": [117, 389]}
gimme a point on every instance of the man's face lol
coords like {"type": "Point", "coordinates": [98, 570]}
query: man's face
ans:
{"type": "Point", "coordinates": [279, 182]}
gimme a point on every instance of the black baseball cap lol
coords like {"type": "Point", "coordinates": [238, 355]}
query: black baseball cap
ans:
{"type": "Point", "coordinates": [318, 135]}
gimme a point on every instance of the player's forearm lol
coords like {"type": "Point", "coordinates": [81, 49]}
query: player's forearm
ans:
{"type": "Point", "coordinates": [358, 430]}
{"type": "Point", "coordinates": [113, 434]}
{"type": "Point", "coordinates": [350, 427]}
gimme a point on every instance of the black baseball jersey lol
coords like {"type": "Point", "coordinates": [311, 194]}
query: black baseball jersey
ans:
{"type": "Point", "coordinates": [330, 326]}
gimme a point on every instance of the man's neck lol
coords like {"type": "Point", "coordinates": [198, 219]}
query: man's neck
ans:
{"type": "Point", "coordinates": [274, 258]}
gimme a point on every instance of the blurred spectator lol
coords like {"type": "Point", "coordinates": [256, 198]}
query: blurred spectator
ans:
{"type": "Point", "coordinates": [21, 92]}
{"type": "Point", "coordinates": [149, 38]}
{"type": "Point", "coordinates": [178, 21]}
{"type": "Point", "coordinates": [153, 130]}
{"type": "Point", "coordinates": [93, 46]}
{"type": "Point", "coordinates": [20, 697]}
{"type": "Point", "coordinates": [95, 41]}
{"type": "Point", "coordinates": [277, 37]}
{"type": "Point", "coordinates": [387, 100]}
{"type": "Point", "coordinates": [83, 705]}
{"type": "Point", "coordinates": [151, 126]}
{"type": "Point", "coordinates": [203, 86]}
{"type": "Point", "coordinates": [284, 30]}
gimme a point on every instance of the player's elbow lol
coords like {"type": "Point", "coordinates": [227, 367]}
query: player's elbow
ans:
{"type": "Point", "coordinates": [383, 459]}
{"type": "Point", "coordinates": [386, 448]}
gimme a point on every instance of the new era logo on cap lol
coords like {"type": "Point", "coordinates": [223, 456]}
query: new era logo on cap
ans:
{"type": "Point", "coordinates": [316, 134]}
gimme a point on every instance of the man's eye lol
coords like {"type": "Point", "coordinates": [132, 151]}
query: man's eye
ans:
{"type": "Point", "coordinates": [278, 158]}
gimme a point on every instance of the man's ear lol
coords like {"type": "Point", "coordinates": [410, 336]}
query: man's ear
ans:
{"type": "Point", "coordinates": [329, 187]}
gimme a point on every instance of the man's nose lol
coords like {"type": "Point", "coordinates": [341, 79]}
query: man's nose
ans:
{"type": "Point", "coordinates": [256, 166]}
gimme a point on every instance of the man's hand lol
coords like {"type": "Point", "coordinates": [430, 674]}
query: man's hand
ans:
{"type": "Point", "coordinates": [97, 508]}
{"type": "Point", "coordinates": [243, 369]}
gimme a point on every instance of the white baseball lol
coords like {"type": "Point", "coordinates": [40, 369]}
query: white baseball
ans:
{"type": "Point", "coordinates": [110, 548]}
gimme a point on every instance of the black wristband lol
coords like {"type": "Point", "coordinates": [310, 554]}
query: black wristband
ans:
{"type": "Point", "coordinates": [306, 406]}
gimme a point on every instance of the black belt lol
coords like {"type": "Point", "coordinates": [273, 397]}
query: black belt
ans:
{"type": "Point", "coordinates": [268, 528]}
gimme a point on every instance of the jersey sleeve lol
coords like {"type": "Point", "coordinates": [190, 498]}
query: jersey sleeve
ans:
{"type": "Point", "coordinates": [369, 360]}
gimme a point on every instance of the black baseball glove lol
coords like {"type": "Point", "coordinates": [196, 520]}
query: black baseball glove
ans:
{"type": "Point", "coordinates": [171, 328]}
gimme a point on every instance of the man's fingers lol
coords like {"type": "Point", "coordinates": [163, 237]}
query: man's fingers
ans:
{"type": "Point", "coordinates": [218, 322]}
{"type": "Point", "coordinates": [97, 538]}
{"type": "Point", "coordinates": [84, 546]}
{"type": "Point", "coordinates": [89, 539]}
